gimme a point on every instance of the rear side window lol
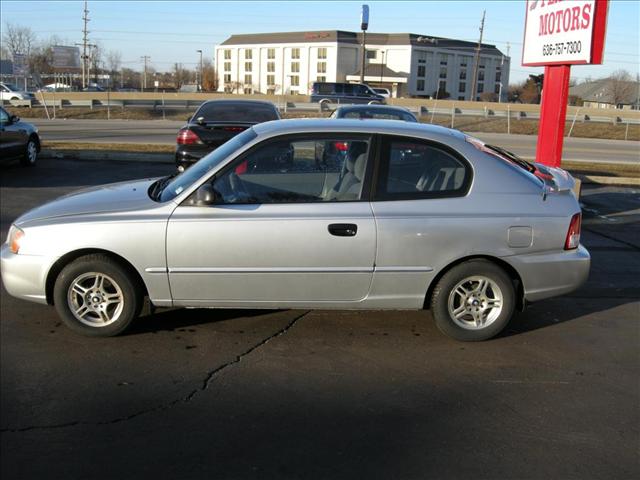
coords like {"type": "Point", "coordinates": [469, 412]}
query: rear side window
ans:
{"type": "Point", "coordinates": [237, 112]}
{"type": "Point", "coordinates": [413, 169]}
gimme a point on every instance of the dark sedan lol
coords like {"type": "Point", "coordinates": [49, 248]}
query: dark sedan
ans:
{"type": "Point", "coordinates": [378, 112]}
{"type": "Point", "coordinates": [215, 122]}
{"type": "Point", "coordinates": [18, 139]}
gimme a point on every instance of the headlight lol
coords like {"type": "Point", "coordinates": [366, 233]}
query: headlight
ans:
{"type": "Point", "coordinates": [14, 238]}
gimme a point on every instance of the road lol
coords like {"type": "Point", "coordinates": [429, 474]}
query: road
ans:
{"type": "Point", "coordinates": [164, 132]}
{"type": "Point", "coordinates": [339, 395]}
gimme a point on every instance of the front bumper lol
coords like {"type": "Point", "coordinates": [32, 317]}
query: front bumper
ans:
{"type": "Point", "coordinates": [546, 275]}
{"type": "Point", "coordinates": [24, 276]}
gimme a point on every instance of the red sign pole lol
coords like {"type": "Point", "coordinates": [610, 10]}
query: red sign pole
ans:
{"type": "Point", "coordinates": [553, 111]}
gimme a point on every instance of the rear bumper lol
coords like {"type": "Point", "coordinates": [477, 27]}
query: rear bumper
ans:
{"type": "Point", "coordinates": [546, 275]}
{"type": "Point", "coordinates": [187, 155]}
{"type": "Point", "coordinates": [24, 276]}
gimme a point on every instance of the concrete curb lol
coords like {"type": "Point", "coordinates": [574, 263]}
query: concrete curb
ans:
{"type": "Point", "coordinates": [613, 181]}
{"type": "Point", "coordinates": [107, 155]}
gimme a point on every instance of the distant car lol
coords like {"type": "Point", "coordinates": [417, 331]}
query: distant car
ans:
{"type": "Point", "coordinates": [417, 216]}
{"type": "Point", "coordinates": [378, 112]}
{"type": "Point", "coordinates": [382, 91]}
{"type": "Point", "coordinates": [215, 122]}
{"type": "Point", "coordinates": [327, 93]}
{"type": "Point", "coordinates": [93, 87]}
{"type": "Point", "coordinates": [18, 139]}
{"type": "Point", "coordinates": [127, 90]}
{"type": "Point", "coordinates": [8, 91]}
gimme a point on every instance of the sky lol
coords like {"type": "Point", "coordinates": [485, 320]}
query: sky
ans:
{"type": "Point", "coordinates": [172, 31]}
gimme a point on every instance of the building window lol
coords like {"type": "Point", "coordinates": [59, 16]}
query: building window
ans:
{"type": "Point", "coordinates": [321, 78]}
{"type": "Point", "coordinates": [461, 97]}
{"type": "Point", "coordinates": [247, 80]}
{"type": "Point", "coordinates": [322, 53]}
{"type": "Point", "coordinates": [480, 87]}
{"type": "Point", "coordinates": [463, 74]}
{"type": "Point", "coordinates": [295, 53]}
{"type": "Point", "coordinates": [271, 91]}
{"type": "Point", "coordinates": [322, 67]}
{"type": "Point", "coordinates": [271, 66]}
{"type": "Point", "coordinates": [247, 90]}
{"type": "Point", "coordinates": [227, 66]}
{"type": "Point", "coordinates": [271, 53]}
{"type": "Point", "coordinates": [248, 54]}
{"type": "Point", "coordinates": [295, 67]}
{"type": "Point", "coordinates": [295, 81]}
{"type": "Point", "coordinates": [497, 89]}
{"type": "Point", "coordinates": [462, 86]}
{"type": "Point", "coordinates": [227, 54]}
{"type": "Point", "coordinates": [481, 76]}
{"type": "Point", "coordinates": [293, 92]}
{"type": "Point", "coordinates": [271, 80]}
{"type": "Point", "coordinates": [247, 66]}
{"type": "Point", "coordinates": [420, 85]}
{"type": "Point", "coordinates": [443, 72]}
{"type": "Point", "coordinates": [442, 85]}
{"type": "Point", "coordinates": [422, 70]}
{"type": "Point", "coordinates": [227, 78]}
{"type": "Point", "coordinates": [444, 58]}
{"type": "Point", "coordinates": [372, 54]}
{"type": "Point", "coordinates": [498, 76]}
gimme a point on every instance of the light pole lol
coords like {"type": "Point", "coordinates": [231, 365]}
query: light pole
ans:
{"type": "Point", "coordinates": [364, 24]}
{"type": "Point", "coordinates": [200, 83]}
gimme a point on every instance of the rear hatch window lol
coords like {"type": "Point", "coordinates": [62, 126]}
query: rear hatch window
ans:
{"type": "Point", "coordinates": [236, 112]}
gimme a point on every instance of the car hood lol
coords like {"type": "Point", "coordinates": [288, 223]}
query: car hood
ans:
{"type": "Point", "coordinates": [115, 197]}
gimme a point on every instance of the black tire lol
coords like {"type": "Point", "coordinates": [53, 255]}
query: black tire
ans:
{"type": "Point", "coordinates": [30, 155]}
{"type": "Point", "coordinates": [130, 290]}
{"type": "Point", "coordinates": [443, 290]}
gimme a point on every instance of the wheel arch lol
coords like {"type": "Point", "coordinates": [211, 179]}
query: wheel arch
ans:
{"type": "Point", "coordinates": [67, 258]}
{"type": "Point", "coordinates": [513, 274]}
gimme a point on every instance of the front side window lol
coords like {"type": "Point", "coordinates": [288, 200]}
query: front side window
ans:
{"type": "Point", "coordinates": [414, 169]}
{"type": "Point", "coordinates": [297, 170]}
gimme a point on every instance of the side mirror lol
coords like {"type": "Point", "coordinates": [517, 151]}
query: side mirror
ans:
{"type": "Point", "coordinates": [14, 119]}
{"type": "Point", "coordinates": [206, 195]}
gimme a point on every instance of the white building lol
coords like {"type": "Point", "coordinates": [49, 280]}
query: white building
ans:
{"type": "Point", "coordinates": [409, 65]}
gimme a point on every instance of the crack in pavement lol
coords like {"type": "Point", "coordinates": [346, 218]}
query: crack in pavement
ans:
{"type": "Point", "coordinates": [206, 383]}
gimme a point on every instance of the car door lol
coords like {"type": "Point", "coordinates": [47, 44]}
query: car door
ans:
{"type": "Point", "coordinates": [11, 138]}
{"type": "Point", "coordinates": [291, 226]}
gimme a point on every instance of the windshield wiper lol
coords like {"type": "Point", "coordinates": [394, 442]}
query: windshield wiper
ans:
{"type": "Point", "coordinates": [158, 186]}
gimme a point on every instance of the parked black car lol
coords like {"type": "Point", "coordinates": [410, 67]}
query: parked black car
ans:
{"type": "Point", "coordinates": [215, 122]}
{"type": "Point", "coordinates": [18, 139]}
{"type": "Point", "coordinates": [378, 112]}
{"type": "Point", "coordinates": [327, 92]}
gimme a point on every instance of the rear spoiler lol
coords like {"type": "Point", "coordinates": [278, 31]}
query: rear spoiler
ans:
{"type": "Point", "coordinates": [554, 179]}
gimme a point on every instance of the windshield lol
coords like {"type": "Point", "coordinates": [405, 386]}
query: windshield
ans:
{"type": "Point", "coordinates": [11, 87]}
{"type": "Point", "coordinates": [179, 183]}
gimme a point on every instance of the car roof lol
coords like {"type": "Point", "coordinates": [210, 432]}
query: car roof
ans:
{"type": "Point", "coordinates": [374, 107]}
{"type": "Point", "coordinates": [332, 125]}
{"type": "Point", "coordinates": [230, 101]}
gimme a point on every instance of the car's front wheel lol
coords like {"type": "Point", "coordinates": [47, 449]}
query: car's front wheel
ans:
{"type": "Point", "coordinates": [473, 301]}
{"type": "Point", "coordinates": [96, 296]}
{"type": "Point", "coordinates": [30, 155]}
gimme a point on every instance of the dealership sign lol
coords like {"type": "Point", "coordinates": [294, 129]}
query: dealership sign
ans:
{"type": "Point", "coordinates": [66, 57]}
{"type": "Point", "coordinates": [564, 32]}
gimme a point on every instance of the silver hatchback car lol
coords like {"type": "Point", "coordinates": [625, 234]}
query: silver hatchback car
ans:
{"type": "Point", "coordinates": [331, 214]}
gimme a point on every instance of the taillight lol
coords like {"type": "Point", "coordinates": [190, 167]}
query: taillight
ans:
{"type": "Point", "coordinates": [234, 129]}
{"type": "Point", "coordinates": [573, 234]}
{"type": "Point", "coordinates": [187, 137]}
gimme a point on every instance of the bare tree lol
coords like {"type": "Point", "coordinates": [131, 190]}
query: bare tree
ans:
{"type": "Point", "coordinates": [209, 78]}
{"type": "Point", "coordinates": [17, 39]}
{"type": "Point", "coordinates": [620, 87]}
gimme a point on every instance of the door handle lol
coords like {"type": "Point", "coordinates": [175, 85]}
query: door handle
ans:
{"type": "Point", "coordinates": [343, 229]}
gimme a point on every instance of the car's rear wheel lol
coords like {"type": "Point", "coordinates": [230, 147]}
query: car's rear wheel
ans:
{"type": "Point", "coordinates": [325, 104]}
{"type": "Point", "coordinates": [30, 155]}
{"type": "Point", "coordinates": [473, 301]}
{"type": "Point", "coordinates": [96, 296]}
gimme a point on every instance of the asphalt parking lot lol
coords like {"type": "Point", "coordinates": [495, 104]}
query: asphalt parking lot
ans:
{"type": "Point", "coordinates": [319, 394]}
